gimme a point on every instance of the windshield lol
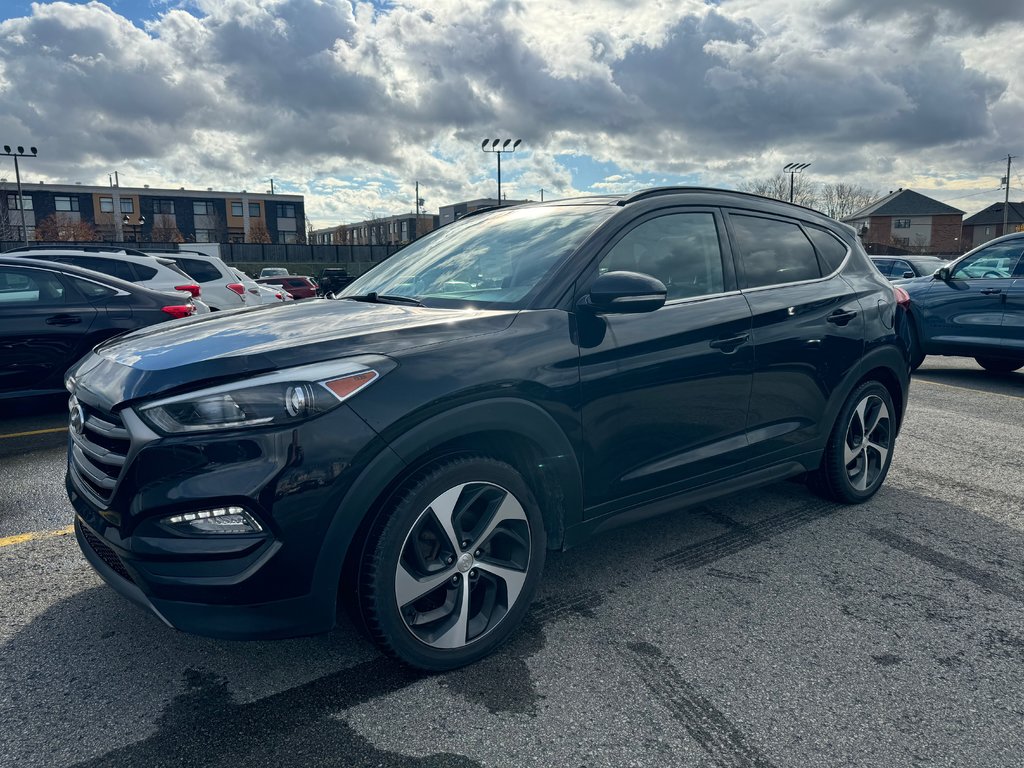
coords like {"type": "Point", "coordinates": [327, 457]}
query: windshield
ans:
{"type": "Point", "coordinates": [494, 259]}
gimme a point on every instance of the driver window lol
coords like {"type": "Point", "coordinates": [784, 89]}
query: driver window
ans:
{"type": "Point", "coordinates": [680, 249]}
{"type": "Point", "coordinates": [997, 262]}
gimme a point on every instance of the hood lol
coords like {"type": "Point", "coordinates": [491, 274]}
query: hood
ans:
{"type": "Point", "coordinates": [247, 341]}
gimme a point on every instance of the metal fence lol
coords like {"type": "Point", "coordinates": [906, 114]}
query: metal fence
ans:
{"type": "Point", "coordinates": [273, 253]}
{"type": "Point", "coordinates": [251, 253]}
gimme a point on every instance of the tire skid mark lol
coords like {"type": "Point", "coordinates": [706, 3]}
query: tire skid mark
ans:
{"type": "Point", "coordinates": [548, 608]}
{"type": "Point", "coordinates": [741, 536]}
{"type": "Point", "coordinates": [724, 743]}
{"type": "Point", "coordinates": [987, 580]}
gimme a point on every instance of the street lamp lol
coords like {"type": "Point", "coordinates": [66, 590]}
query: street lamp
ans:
{"type": "Point", "coordinates": [504, 150]}
{"type": "Point", "coordinates": [792, 169]}
{"type": "Point", "coordinates": [17, 175]}
{"type": "Point", "coordinates": [135, 227]}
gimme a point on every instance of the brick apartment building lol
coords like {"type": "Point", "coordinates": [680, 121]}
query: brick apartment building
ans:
{"type": "Point", "coordinates": [909, 222]}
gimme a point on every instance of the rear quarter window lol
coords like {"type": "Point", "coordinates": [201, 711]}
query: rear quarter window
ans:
{"type": "Point", "coordinates": [200, 271]}
{"type": "Point", "coordinates": [831, 250]}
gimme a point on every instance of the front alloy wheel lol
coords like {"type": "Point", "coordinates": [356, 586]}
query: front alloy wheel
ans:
{"type": "Point", "coordinates": [455, 564]}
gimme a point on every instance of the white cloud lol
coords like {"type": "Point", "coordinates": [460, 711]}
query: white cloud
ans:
{"type": "Point", "coordinates": [229, 93]}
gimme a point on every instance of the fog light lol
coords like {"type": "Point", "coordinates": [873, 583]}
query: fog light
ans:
{"type": "Point", "coordinates": [219, 520]}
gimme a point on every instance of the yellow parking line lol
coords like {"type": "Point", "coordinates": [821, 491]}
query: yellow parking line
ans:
{"type": "Point", "coordinates": [918, 379]}
{"type": "Point", "coordinates": [35, 432]}
{"type": "Point", "coordinates": [21, 538]}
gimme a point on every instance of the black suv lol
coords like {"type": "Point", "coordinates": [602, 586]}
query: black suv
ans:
{"type": "Point", "coordinates": [508, 384]}
{"type": "Point", "coordinates": [333, 280]}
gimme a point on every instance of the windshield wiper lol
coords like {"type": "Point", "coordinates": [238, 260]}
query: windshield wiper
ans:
{"type": "Point", "coordinates": [384, 298]}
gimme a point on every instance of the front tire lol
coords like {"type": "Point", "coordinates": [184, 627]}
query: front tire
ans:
{"type": "Point", "coordinates": [451, 568]}
{"type": "Point", "coordinates": [859, 450]}
{"type": "Point", "coordinates": [999, 364]}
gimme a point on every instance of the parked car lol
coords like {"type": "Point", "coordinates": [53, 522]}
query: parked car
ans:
{"type": "Point", "coordinates": [904, 267]}
{"type": "Point", "coordinates": [333, 280]}
{"type": "Point", "coordinates": [973, 307]}
{"type": "Point", "coordinates": [259, 294]}
{"type": "Point", "coordinates": [52, 314]}
{"type": "Point", "coordinates": [298, 286]}
{"type": "Point", "coordinates": [273, 272]}
{"type": "Point", "coordinates": [599, 360]}
{"type": "Point", "coordinates": [158, 274]}
{"type": "Point", "coordinates": [221, 289]}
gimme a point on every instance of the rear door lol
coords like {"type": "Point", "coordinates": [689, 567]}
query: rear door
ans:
{"type": "Point", "coordinates": [43, 327]}
{"type": "Point", "coordinates": [808, 328]}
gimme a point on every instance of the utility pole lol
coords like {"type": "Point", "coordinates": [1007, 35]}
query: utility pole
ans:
{"type": "Point", "coordinates": [417, 199]}
{"type": "Point", "coordinates": [1006, 200]}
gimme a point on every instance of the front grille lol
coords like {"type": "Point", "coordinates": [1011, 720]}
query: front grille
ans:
{"type": "Point", "coordinates": [107, 555]}
{"type": "Point", "coordinates": [99, 452]}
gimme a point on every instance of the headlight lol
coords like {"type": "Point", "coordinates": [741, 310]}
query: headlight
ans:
{"type": "Point", "coordinates": [281, 397]}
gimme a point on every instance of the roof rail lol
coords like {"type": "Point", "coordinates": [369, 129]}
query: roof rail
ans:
{"type": "Point", "coordinates": [643, 194]}
{"type": "Point", "coordinates": [85, 248]}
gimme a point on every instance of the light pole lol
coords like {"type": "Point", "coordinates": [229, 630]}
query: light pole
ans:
{"type": "Point", "coordinates": [504, 150]}
{"type": "Point", "coordinates": [792, 169]}
{"type": "Point", "coordinates": [135, 227]}
{"type": "Point", "coordinates": [17, 175]}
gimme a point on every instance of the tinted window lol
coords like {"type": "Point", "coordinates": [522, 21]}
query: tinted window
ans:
{"type": "Point", "coordinates": [111, 267]}
{"type": "Point", "coordinates": [884, 266]}
{"type": "Point", "coordinates": [200, 271]}
{"type": "Point", "coordinates": [29, 286]}
{"type": "Point", "coordinates": [680, 249]}
{"type": "Point", "coordinates": [143, 272]}
{"type": "Point", "coordinates": [92, 290]}
{"type": "Point", "coordinates": [831, 249]}
{"type": "Point", "coordinates": [899, 267]}
{"type": "Point", "coordinates": [773, 252]}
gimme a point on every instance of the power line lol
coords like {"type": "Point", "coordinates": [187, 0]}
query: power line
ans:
{"type": "Point", "coordinates": [975, 194]}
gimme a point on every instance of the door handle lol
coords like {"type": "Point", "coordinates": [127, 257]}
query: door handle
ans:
{"type": "Point", "coordinates": [729, 343]}
{"type": "Point", "coordinates": [841, 316]}
{"type": "Point", "coordinates": [63, 319]}
{"type": "Point", "coordinates": [991, 291]}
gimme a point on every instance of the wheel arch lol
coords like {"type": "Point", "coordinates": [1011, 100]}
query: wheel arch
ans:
{"type": "Point", "coordinates": [517, 432]}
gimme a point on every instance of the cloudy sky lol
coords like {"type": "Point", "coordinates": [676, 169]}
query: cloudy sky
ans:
{"type": "Point", "coordinates": [351, 103]}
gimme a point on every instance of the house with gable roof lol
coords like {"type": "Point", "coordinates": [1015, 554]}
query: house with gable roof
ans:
{"type": "Point", "coordinates": [909, 222]}
{"type": "Point", "coordinates": [987, 224]}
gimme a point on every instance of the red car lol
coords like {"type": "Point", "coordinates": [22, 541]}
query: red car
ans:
{"type": "Point", "coordinates": [299, 286]}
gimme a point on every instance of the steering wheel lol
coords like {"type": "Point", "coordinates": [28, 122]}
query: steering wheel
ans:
{"type": "Point", "coordinates": [991, 274]}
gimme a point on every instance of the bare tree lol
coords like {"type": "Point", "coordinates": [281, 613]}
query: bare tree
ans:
{"type": "Point", "coordinates": [804, 190]}
{"type": "Point", "coordinates": [840, 199]}
{"type": "Point", "coordinates": [165, 229]}
{"type": "Point", "coordinates": [258, 232]}
{"type": "Point", "coordinates": [57, 228]}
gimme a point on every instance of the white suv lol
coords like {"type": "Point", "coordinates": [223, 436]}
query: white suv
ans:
{"type": "Point", "coordinates": [158, 274]}
{"type": "Point", "coordinates": [221, 289]}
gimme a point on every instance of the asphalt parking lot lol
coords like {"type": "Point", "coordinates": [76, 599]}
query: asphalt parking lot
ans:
{"type": "Point", "coordinates": [764, 629]}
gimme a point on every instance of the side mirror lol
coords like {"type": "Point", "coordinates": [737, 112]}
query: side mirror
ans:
{"type": "Point", "coordinates": [942, 273]}
{"type": "Point", "coordinates": [908, 274]}
{"type": "Point", "coordinates": [624, 293]}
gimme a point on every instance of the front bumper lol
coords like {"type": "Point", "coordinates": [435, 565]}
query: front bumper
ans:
{"type": "Point", "coordinates": [258, 585]}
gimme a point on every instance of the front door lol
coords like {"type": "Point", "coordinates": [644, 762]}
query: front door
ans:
{"type": "Point", "coordinates": [41, 328]}
{"type": "Point", "coordinates": [665, 393]}
{"type": "Point", "coordinates": [964, 315]}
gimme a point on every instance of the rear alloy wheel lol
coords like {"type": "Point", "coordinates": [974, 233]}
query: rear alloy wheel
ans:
{"type": "Point", "coordinates": [454, 566]}
{"type": "Point", "coordinates": [999, 364]}
{"type": "Point", "coordinates": [859, 450]}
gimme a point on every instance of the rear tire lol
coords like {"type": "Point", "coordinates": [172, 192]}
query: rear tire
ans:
{"type": "Point", "coordinates": [859, 450]}
{"type": "Point", "coordinates": [451, 568]}
{"type": "Point", "coordinates": [999, 364]}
